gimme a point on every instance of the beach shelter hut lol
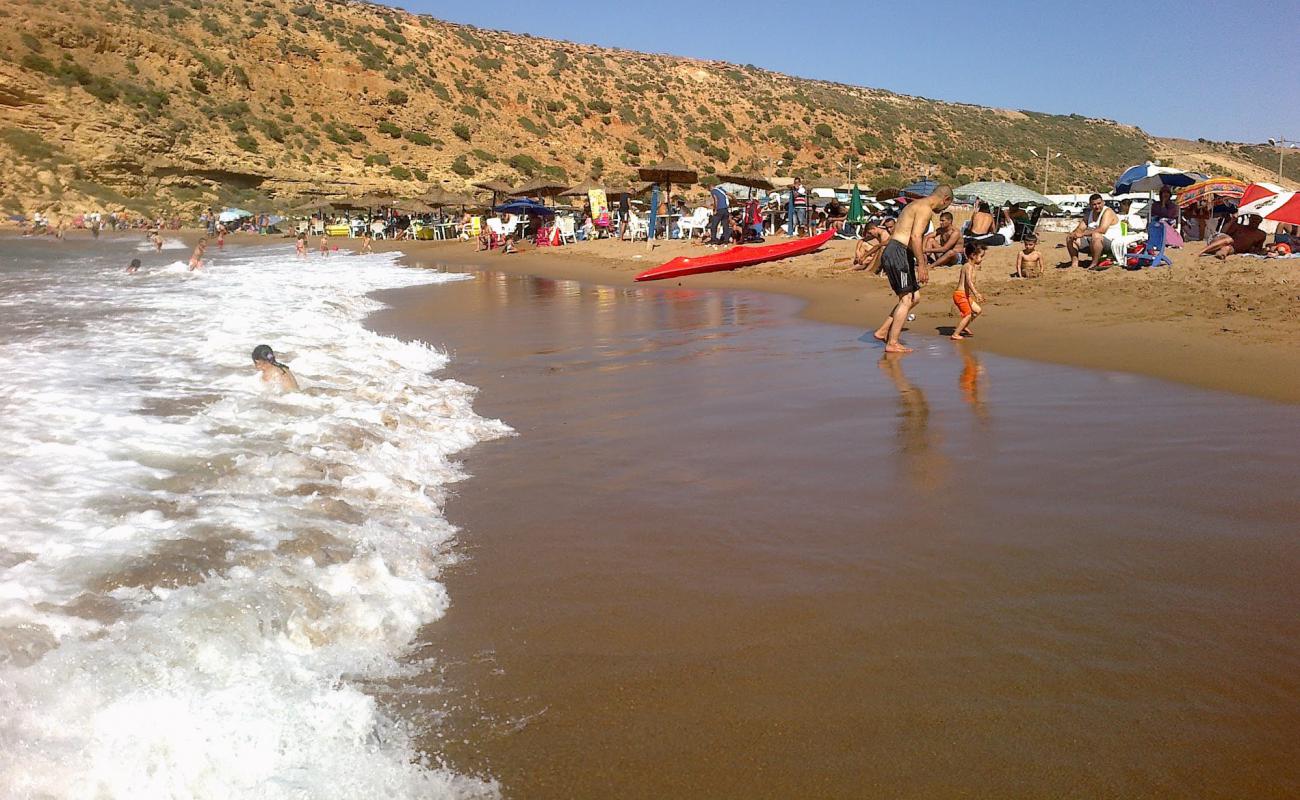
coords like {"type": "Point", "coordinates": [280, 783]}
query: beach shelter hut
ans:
{"type": "Point", "coordinates": [667, 172]}
{"type": "Point", "coordinates": [582, 189]}
{"type": "Point", "coordinates": [495, 187]}
{"type": "Point", "coordinates": [1001, 193]}
{"type": "Point", "coordinates": [1226, 188]}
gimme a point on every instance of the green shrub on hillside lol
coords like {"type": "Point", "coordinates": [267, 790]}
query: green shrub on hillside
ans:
{"type": "Point", "coordinates": [418, 137]}
{"type": "Point", "coordinates": [246, 142]}
{"type": "Point", "coordinates": [461, 130]}
{"type": "Point", "coordinates": [397, 97]}
{"type": "Point", "coordinates": [389, 129]}
{"type": "Point", "coordinates": [461, 167]}
{"type": "Point", "coordinates": [401, 173]}
{"type": "Point", "coordinates": [376, 158]}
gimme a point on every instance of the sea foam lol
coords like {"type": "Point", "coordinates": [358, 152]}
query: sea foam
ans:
{"type": "Point", "coordinates": [198, 576]}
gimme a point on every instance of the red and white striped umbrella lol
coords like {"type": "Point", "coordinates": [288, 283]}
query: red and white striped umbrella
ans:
{"type": "Point", "coordinates": [1282, 208]}
{"type": "Point", "coordinates": [1258, 191]}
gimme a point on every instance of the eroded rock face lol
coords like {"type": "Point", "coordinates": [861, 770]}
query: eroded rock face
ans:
{"type": "Point", "coordinates": [168, 102]}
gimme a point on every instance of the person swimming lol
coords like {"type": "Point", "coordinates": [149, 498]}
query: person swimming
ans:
{"type": "Point", "coordinates": [273, 371]}
{"type": "Point", "coordinates": [133, 267]}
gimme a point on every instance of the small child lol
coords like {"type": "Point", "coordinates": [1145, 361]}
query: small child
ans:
{"type": "Point", "coordinates": [966, 297]}
{"type": "Point", "coordinates": [221, 237]}
{"type": "Point", "coordinates": [324, 245]}
{"type": "Point", "coordinates": [365, 244]}
{"type": "Point", "coordinates": [133, 267]}
{"type": "Point", "coordinates": [302, 245]}
{"type": "Point", "coordinates": [1029, 262]}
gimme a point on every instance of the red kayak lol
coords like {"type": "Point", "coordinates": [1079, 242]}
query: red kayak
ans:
{"type": "Point", "coordinates": [742, 256]}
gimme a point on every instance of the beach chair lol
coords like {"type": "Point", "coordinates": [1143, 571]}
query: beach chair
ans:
{"type": "Point", "coordinates": [1027, 224]}
{"type": "Point", "coordinates": [637, 228]}
{"type": "Point", "coordinates": [567, 233]}
{"type": "Point", "coordinates": [318, 227]}
{"type": "Point", "coordinates": [496, 232]}
{"type": "Point", "coordinates": [695, 224]}
{"type": "Point", "coordinates": [1153, 252]}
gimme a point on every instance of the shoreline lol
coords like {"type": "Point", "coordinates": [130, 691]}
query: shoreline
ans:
{"type": "Point", "coordinates": [1222, 326]}
{"type": "Point", "coordinates": [1234, 335]}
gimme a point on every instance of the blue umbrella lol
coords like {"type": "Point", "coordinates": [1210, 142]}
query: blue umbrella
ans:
{"type": "Point", "coordinates": [923, 188]}
{"type": "Point", "coordinates": [524, 206]}
{"type": "Point", "coordinates": [1150, 177]}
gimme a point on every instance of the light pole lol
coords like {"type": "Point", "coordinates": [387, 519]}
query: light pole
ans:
{"type": "Point", "coordinates": [1047, 164]}
{"type": "Point", "coordinates": [1280, 143]}
{"type": "Point", "coordinates": [850, 166]}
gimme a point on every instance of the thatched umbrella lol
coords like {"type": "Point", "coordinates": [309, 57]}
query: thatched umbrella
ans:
{"type": "Point", "coordinates": [752, 181]}
{"type": "Point", "coordinates": [413, 207]}
{"type": "Point", "coordinates": [666, 172]}
{"type": "Point", "coordinates": [495, 187]}
{"type": "Point", "coordinates": [581, 189]}
{"type": "Point", "coordinates": [542, 187]}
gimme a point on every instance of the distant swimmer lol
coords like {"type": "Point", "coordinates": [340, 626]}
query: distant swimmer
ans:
{"type": "Point", "coordinates": [196, 259]}
{"type": "Point", "coordinates": [324, 245]}
{"type": "Point", "coordinates": [157, 240]}
{"type": "Point", "coordinates": [273, 371]}
{"type": "Point", "coordinates": [221, 237]}
{"type": "Point", "coordinates": [365, 244]}
{"type": "Point", "coordinates": [133, 267]}
{"type": "Point", "coordinates": [302, 245]}
{"type": "Point", "coordinates": [903, 262]}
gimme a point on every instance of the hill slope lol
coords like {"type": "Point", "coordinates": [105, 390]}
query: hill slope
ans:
{"type": "Point", "coordinates": [177, 102]}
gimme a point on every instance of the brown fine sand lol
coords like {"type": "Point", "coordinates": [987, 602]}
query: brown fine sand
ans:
{"type": "Point", "coordinates": [1227, 326]}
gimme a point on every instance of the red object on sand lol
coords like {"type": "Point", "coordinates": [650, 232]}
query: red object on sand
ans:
{"type": "Point", "coordinates": [736, 257]}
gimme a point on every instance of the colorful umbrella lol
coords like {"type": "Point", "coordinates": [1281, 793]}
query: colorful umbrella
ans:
{"type": "Point", "coordinates": [1282, 208]}
{"type": "Point", "coordinates": [1258, 191]}
{"type": "Point", "coordinates": [1214, 187]}
{"type": "Point", "coordinates": [1150, 177]}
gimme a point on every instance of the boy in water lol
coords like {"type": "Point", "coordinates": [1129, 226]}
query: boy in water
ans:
{"type": "Point", "coordinates": [273, 372]}
{"type": "Point", "coordinates": [221, 237]}
{"type": "Point", "coordinates": [301, 245]}
{"type": "Point", "coordinates": [966, 297]}
{"type": "Point", "coordinates": [157, 240]}
{"type": "Point", "coordinates": [365, 244]}
{"type": "Point", "coordinates": [1029, 262]}
{"type": "Point", "coordinates": [133, 267]}
{"type": "Point", "coordinates": [196, 258]}
{"type": "Point", "coordinates": [324, 245]}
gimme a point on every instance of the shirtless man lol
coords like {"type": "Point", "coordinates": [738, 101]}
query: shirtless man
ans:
{"type": "Point", "coordinates": [196, 259]}
{"type": "Point", "coordinates": [157, 240]}
{"type": "Point", "coordinates": [903, 262]}
{"type": "Point", "coordinates": [1237, 238]}
{"type": "Point", "coordinates": [867, 253]}
{"type": "Point", "coordinates": [1090, 234]}
{"type": "Point", "coordinates": [943, 248]}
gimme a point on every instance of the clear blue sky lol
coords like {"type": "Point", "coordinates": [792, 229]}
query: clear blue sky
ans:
{"type": "Point", "coordinates": [1218, 70]}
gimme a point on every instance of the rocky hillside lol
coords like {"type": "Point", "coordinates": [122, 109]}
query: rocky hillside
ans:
{"type": "Point", "coordinates": [150, 103]}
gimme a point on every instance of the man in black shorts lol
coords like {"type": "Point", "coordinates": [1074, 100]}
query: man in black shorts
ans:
{"type": "Point", "coordinates": [903, 263]}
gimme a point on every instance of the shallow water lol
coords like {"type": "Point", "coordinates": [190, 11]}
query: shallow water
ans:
{"type": "Point", "coordinates": [737, 554]}
{"type": "Point", "coordinates": [204, 584]}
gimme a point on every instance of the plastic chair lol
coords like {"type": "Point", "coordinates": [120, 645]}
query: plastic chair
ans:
{"type": "Point", "coordinates": [566, 229]}
{"type": "Point", "coordinates": [1153, 253]}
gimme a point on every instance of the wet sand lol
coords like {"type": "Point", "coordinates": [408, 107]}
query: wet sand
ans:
{"type": "Point", "coordinates": [733, 553]}
{"type": "Point", "coordinates": [1229, 326]}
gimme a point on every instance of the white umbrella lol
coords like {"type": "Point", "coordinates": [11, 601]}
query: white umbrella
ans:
{"type": "Point", "coordinates": [232, 214]}
{"type": "Point", "coordinates": [1000, 193]}
{"type": "Point", "coordinates": [1151, 177]}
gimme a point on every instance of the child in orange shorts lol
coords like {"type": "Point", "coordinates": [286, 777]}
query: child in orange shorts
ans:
{"type": "Point", "coordinates": [966, 297]}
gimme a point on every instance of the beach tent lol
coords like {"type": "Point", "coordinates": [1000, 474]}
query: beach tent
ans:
{"type": "Point", "coordinates": [1000, 193]}
{"type": "Point", "coordinates": [1229, 188]}
{"type": "Point", "coordinates": [1151, 177]}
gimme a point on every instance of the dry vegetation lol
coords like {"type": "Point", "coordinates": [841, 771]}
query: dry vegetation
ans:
{"type": "Point", "coordinates": [185, 101]}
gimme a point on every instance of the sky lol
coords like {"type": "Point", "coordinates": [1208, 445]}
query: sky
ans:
{"type": "Point", "coordinates": [1227, 70]}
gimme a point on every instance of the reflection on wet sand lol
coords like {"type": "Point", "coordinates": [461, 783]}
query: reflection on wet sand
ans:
{"type": "Point", "coordinates": [971, 383]}
{"type": "Point", "coordinates": [922, 461]}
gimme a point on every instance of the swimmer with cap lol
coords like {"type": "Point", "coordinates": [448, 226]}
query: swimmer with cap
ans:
{"type": "Point", "coordinates": [273, 371]}
{"type": "Point", "coordinates": [133, 267]}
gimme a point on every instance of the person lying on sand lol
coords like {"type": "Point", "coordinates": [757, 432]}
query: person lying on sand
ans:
{"type": "Point", "coordinates": [903, 262]}
{"type": "Point", "coordinates": [1237, 238]}
{"type": "Point", "coordinates": [196, 258]}
{"type": "Point", "coordinates": [273, 372]}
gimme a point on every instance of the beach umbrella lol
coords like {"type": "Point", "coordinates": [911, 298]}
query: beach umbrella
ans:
{"type": "Point", "coordinates": [1001, 193]}
{"type": "Point", "coordinates": [495, 187]}
{"type": "Point", "coordinates": [542, 187]}
{"type": "Point", "coordinates": [524, 206]}
{"type": "Point", "coordinates": [232, 214]}
{"type": "Point", "coordinates": [923, 188]}
{"type": "Point", "coordinates": [581, 189]}
{"type": "Point", "coordinates": [856, 212]}
{"type": "Point", "coordinates": [1214, 187]}
{"type": "Point", "coordinates": [413, 207]}
{"type": "Point", "coordinates": [1258, 191]}
{"type": "Point", "coordinates": [887, 194]}
{"type": "Point", "coordinates": [1150, 177]}
{"type": "Point", "coordinates": [668, 172]}
{"type": "Point", "coordinates": [1282, 208]}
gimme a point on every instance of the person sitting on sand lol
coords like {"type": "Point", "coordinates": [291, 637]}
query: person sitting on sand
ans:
{"type": "Point", "coordinates": [1237, 238]}
{"type": "Point", "coordinates": [1090, 233]}
{"type": "Point", "coordinates": [943, 246]}
{"type": "Point", "coordinates": [1029, 262]}
{"type": "Point", "coordinates": [867, 254]}
{"type": "Point", "coordinates": [965, 296]}
{"type": "Point", "coordinates": [903, 262]}
{"type": "Point", "coordinates": [133, 267]}
{"type": "Point", "coordinates": [196, 258]}
{"type": "Point", "coordinates": [273, 372]}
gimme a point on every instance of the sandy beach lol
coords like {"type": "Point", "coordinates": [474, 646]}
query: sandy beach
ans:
{"type": "Point", "coordinates": [1227, 326]}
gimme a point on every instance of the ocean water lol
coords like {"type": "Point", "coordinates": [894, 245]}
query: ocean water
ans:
{"type": "Point", "coordinates": [205, 584]}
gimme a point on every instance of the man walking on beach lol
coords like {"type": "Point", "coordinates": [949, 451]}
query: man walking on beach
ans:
{"type": "Point", "coordinates": [903, 262]}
